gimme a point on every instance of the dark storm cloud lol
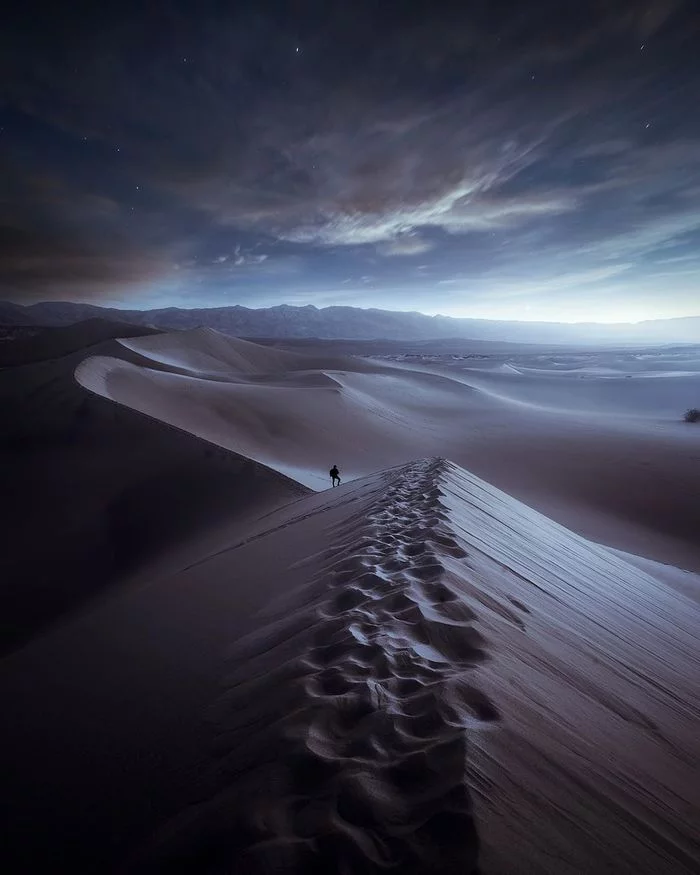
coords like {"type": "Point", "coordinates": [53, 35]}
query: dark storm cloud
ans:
{"type": "Point", "coordinates": [348, 152]}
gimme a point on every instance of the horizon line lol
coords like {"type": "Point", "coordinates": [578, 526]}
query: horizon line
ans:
{"type": "Point", "coordinates": [353, 307]}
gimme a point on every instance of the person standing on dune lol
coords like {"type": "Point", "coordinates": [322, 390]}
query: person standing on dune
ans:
{"type": "Point", "coordinates": [335, 475]}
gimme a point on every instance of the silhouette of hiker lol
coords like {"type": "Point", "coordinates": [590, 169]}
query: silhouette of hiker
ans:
{"type": "Point", "coordinates": [335, 475]}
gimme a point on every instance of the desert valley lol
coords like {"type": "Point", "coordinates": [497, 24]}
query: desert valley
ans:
{"type": "Point", "coordinates": [480, 650]}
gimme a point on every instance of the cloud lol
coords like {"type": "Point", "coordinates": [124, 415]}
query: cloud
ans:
{"type": "Point", "coordinates": [39, 265]}
{"type": "Point", "coordinates": [241, 258]}
{"type": "Point", "coordinates": [537, 142]}
{"type": "Point", "coordinates": [467, 206]}
{"type": "Point", "coordinates": [55, 240]}
{"type": "Point", "coordinates": [405, 245]}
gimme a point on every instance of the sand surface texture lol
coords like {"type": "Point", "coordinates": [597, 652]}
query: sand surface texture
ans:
{"type": "Point", "coordinates": [210, 667]}
{"type": "Point", "coordinates": [371, 676]}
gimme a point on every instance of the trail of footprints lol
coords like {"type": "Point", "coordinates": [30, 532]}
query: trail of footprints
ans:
{"type": "Point", "coordinates": [373, 749]}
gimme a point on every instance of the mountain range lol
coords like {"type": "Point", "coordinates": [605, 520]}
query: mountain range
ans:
{"type": "Point", "coordinates": [354, 323]}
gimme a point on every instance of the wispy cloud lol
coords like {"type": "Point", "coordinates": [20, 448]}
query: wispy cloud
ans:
{"type": "Point", "coordinates": [405, 245]}
{"type": "Point", "coordinates": [246, 258]}
{"type": "Point", "coordinates": [557, 145]}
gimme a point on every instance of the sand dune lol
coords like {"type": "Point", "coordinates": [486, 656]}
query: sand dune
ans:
{"type": "Point", "coordinates": [56, 343]}
{"type": "Point", "coordinates": [297, 425]}
{"type": "Point", "coordinates": [589, 452]}
{"type": "Point", "coordinates": [608, 391]}
{"type": "Point", "coordinates": [93, 490]}
{"type": "Point", "coordinates": [203, 350]}
{"type": "Point", "coordinates": [401, 673]}
{"type": "Point", "coordinates": [211, 668]}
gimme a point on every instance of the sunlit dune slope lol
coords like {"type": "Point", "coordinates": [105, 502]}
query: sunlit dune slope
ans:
{"type": "Point", "coordinates": [604, 456]}
{"type": "Point", "coordinates": [206, 352]}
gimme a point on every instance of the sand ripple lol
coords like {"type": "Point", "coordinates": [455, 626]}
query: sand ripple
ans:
{"type": "Point", "coordinates": [342, 735]}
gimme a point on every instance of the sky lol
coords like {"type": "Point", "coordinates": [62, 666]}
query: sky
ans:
{"type": "Point", "coordinates": [507, 160]}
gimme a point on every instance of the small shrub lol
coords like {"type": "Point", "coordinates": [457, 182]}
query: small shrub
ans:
{"type": "Point", "coordinates": [692, 415]}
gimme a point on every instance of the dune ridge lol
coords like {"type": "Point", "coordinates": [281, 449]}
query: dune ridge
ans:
{"type": "Point", "coordinates": [368, 723]}
{"type": "Point", "coordinates": [403, 697]}
{"type": "Point", "coordinates": [94, 490]}
{"type": "Point", "coordinates": [586, 451]}
{"type": "Point", "coordinates": [203, 350]}
{"type": "Point", "coordinates": [54, 343]}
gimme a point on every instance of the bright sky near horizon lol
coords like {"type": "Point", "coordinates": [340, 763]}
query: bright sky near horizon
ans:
{"type": "Point", "coordinates": [537, 161]}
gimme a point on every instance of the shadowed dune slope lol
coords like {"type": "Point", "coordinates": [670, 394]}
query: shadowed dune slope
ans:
{"type": "Point", "coordinates": [52, 343]}
{"type": "Point", "coordinates": [93, 490]}
{"type": "Point", "coordinates": [402, 674]}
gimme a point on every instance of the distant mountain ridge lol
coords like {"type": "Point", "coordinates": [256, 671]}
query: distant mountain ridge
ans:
{"type": "Point", "coordinates": [355, 323]}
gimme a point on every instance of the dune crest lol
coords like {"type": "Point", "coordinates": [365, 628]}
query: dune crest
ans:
{"type": "Point", "coordinates": [453, 654]}
{"type": "Point", "coordinates": [95, 490]}
{"type": "Point", "coordinates": [369, 716]}
{"type": "Point", "coordinates": [206, 351]}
